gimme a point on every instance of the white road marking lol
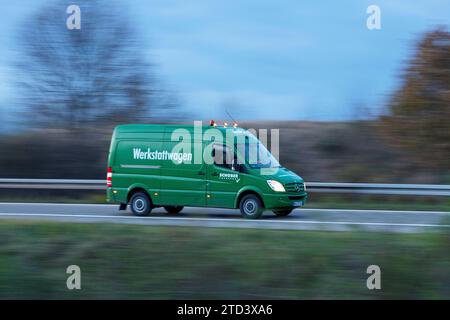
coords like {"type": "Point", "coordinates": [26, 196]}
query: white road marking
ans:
{"type": "Point", "coordinates": [299, 210]}
{"type": "Point", "coordinates": [60, 215]}
{"type": "Point", "coordinates": [379, 211]}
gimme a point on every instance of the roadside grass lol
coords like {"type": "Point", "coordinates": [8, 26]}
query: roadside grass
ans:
{"type": "Point", "coordinates": [148, 262]}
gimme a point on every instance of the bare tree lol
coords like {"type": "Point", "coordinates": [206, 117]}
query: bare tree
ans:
{"type": "Point", "coordinates": [83, 77]}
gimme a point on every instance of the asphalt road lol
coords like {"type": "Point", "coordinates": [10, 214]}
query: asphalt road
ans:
{"type": "Point", "coordinates": [300, 219]}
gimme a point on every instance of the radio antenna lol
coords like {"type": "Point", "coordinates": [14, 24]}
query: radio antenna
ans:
{"type": "Point", "coordinates": [234, 121]}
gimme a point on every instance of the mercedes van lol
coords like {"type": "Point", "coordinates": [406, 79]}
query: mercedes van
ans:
{"type": "Point", "coordinates": [173, 166]}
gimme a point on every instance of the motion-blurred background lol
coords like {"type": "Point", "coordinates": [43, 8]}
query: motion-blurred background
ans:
{"type": "Point", "coordinates": [352, 104]}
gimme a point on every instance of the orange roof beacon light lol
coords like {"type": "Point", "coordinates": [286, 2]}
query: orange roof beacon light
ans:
{"type": "Point", "coordinates": [212, 123]}
{"type": "Point", "coordinates": [235, 125]}
{"type": "Point", "coordinates": [225, 124]}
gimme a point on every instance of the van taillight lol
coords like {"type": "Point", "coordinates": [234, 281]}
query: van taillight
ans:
{"type": "Point", "coordinates": [109, 177]}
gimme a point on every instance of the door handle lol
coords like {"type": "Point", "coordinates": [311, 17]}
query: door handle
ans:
{"type": "Point", "coordinates": [215, 174]}
{"type": "Point", "coordinates": [201, 173]}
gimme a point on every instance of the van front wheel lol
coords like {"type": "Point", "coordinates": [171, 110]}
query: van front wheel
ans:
{"type": "Point", "coordinates": [173, 209]}
{"type": "Point", "coordinates": [251, 207]}
{"type": "Point", "coordinates": [140, 204]}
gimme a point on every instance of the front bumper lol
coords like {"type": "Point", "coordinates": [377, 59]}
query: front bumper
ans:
{"type": "Point", "coordinates": [284, 200]}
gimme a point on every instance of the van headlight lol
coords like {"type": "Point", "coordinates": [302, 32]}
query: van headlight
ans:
{"type": "Point", "coordinates": [276, 186]}
{"type": "Point", "coordinates": [304, 186]}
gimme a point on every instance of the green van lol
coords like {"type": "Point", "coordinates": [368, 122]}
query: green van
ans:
{"type": "Point", "coordinates": [173, 166]}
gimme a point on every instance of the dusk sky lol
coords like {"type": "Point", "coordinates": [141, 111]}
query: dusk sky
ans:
{"type": "Point", "coordinates": [278, 60]}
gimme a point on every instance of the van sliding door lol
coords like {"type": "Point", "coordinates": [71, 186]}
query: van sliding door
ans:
{"type": "Point", "coordinates": [183, 182]}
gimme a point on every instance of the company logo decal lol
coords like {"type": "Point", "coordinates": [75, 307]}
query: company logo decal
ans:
{"type": "Point", "coordinates": [229, 176]}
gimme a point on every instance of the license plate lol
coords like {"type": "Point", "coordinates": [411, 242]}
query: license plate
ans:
{"type": "Point", "coordinates": [297, 203]}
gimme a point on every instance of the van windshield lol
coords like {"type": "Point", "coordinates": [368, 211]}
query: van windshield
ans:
{"type": "Point", "coordinates": [256, 155]}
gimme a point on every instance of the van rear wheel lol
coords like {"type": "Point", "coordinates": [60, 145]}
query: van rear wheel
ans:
{"type": "Point", "coordinates": [173, 209]}
{"type": "Point", "coordinates": [140, 204]}
{"type": "Point", "coordinates": [251, 207]}
{"type": "Point", "coordinates": [283, 213]}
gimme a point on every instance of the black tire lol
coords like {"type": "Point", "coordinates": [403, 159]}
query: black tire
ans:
{"type": "Point", "coordinates": [283, 213]}
{"type": "Point", "coordinates": [251, 207]}
{"type": "Point", "coordinates": [173, 209]}
{"type": "Point", "coordinates": [140, 204]}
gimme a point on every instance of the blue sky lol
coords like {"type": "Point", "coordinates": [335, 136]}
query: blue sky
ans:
{"type": "Point", "coordinates": [268, 60]}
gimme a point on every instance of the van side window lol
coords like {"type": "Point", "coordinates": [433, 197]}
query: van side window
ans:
{"type": "Point", "coordinates": [223, 157]}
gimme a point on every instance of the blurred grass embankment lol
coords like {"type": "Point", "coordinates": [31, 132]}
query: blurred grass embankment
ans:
{"type": "Point", "coordinates": [143, 262]}
{"type": "Point", "coordinates": [318, 151]}
{"type": "Point", "coordinates": [353, 151]}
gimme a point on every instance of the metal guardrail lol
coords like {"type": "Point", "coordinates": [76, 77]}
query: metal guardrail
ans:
{"type": "Point", "coordinates": [381, 188]}
{"type": "Point", "coordinates": [325, 187]}
{"type": "Point", "coordinates": [73, 184]}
